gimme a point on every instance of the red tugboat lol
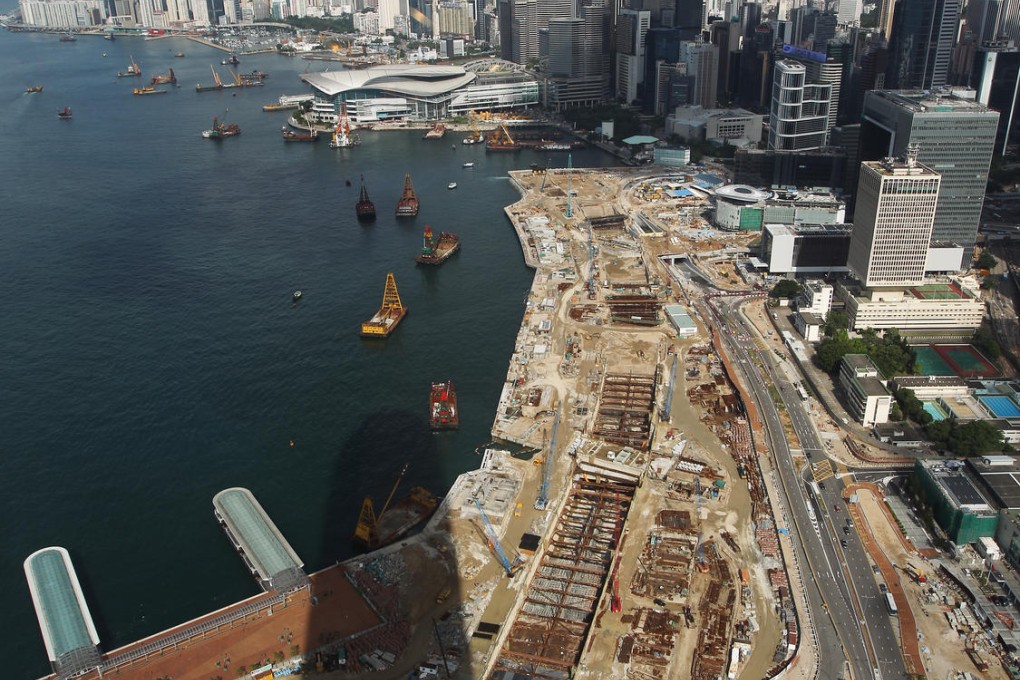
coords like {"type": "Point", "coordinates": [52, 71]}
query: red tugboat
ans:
{"type": "Point", "coordinates": [221, 130]}
{"type": "Point", "coordinates": [407, 206]}
{"type": "Point", "coordinates": [365, 207]}
{"type": "Point", "coordinates": [443, 413]}
{"type": "Point", "coordinates": [437, 251]}
{"type": "Point", "coordinates": [65, 114]}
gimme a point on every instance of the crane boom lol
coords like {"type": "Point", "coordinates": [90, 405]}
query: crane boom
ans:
{"type": "Point", "coordinates": [490, 532]}
{"type": "Point", "coordinates": [543, 491]}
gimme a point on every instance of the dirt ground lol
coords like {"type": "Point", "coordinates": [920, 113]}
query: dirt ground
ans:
{"type": "Point", "coordinates": [945, 648]}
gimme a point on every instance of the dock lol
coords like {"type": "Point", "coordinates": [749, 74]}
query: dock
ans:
{"type": "Point", "coordinates": [69, 634]}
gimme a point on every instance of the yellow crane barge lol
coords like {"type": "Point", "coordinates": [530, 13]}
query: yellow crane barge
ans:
{"type": "Point", "coordinates": [389, 314]}
{"type": "Point", "coordinates": [392, 524]}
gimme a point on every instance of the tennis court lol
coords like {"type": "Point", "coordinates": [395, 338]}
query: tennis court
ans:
{"type": "Point", "coordinates": [960, 360]}
{"type": "Point", "coordinates": [1001, 407]}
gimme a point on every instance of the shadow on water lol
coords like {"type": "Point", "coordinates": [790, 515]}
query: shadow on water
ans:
{"type": "Point", "coordinates": [409, 587]}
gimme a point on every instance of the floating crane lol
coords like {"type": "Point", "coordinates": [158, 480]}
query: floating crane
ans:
{"type": "Point", "coordinates": [490, 532]}
{"type": "Point", "coordinates": [367, 531]}
{"type": "Point", "coordinates": [543, 491]}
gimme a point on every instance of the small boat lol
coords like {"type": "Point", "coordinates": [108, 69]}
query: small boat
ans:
{"type": "Point", "coordinates": [296, 295]}
{"type": "Point", "coordinates": [348, 182]}
{"type": "Point", "coordinates": [179, 55]}
{"type": "Point", "coordinates": [64, 114]}
{"type": "Point", "coordinates": [108, 36]}
{"type": "Point", "coordinates": [232, 60]}
{"type": "Point", "coordinates": [451, 185]}
{"type": "Point", "coordinates": [33, 88]}
{"type": "Point", "coordinates": [469, 165]}
{"type": "Point", "coordinates": [291, 136]}
{"type": "Point", "coordinates": [140, 91]}
{"type": "Point", "coordinates": [365, 207]}
{"type": "Point", "coordinates": [67, 37]}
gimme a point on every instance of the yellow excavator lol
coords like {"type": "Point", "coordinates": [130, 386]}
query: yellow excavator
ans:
{"type": "Point", "coordinates": [366, 534]}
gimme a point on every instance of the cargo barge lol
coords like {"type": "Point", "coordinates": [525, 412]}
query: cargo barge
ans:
{"type": "Point", "coordinates": [390, 313]}
{"type": "Point", "coordinates": [437, 250]}
{"type": "Point", "coordinates": [393, 523]}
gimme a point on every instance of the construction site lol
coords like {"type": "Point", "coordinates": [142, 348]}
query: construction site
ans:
{"type": "Point", "coordinates": [620, 524]}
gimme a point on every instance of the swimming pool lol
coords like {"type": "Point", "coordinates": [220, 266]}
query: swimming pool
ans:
{"type": "Point", "coordinates": [934, 410]}
{"type": "Point", "coordinates": [1001, 407]}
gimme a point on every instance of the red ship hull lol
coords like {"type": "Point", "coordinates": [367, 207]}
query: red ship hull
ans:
{"type": "Point", "coordinates": [443, 411]}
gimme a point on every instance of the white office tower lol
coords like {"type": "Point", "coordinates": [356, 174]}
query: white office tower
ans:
{"type": "Point", "coordinates": [896, 202]}
{"type": "Point", "coordinates": [799, 116]}
{"type": "Point", "coordinates": [702, 61]}
{"type": "Point", "coordinates": [849, 11]}
{"type": "Point", "coordinates": [828, 73]}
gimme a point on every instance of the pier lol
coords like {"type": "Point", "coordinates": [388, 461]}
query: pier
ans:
{"type": "Point", "coordinates": [72, 643]}
{"type": "Point", "coordinates": [263, 548]}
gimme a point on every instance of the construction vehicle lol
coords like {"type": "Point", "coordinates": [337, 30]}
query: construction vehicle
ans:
{"type": "Point", "coordinates": [490, 533]}
{"type": "Point", "coordinates": [916, 574]}
{"type": "Point", "coordinates": [217, 83]}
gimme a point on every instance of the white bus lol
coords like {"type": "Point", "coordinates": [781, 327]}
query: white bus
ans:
{"type": "Point", "coordinates": [890, 603]}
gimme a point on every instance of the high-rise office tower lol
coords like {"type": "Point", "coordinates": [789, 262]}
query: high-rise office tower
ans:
{"type": "Point", "coordinates": [921, 43]}
{"type": "Point", "coordinates": [799, 114]}
{"type": "Point", "coordinates": [702, 63]}
{"type": "Point", "coordinates": [849, 11]}
{"type": "Point", "coordinates": [690, 15]}
{"type": "Point", "coordinates": [996, 77]}
{"type": "Point", "coordinates": [893, 224]}
{"type": "Point", "coordinates": [579, 58]}
{"type": "Point", "coordinates": [829, 72]}
{"type": "Point", "coordinates": [994, 19]}
{"type": "Point", "coordinates": [524, 19]}
{"type": "Point", "coordinates": [956, 137]}
{"type": "Point", "coordinates": [631, 29]}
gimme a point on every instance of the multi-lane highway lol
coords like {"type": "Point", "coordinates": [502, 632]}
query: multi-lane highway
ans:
{"type": "Point", "coordinates": [847, 606]}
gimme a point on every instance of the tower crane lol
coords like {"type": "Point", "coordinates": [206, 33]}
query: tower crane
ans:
{"type": "Point", "coordinates": [367, 531]}
{"type": "Point", "coordinates": [543, 491]}
{"type": "Point", "coordinates": [490, 532]}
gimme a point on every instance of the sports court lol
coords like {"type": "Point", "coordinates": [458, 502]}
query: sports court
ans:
{"type": "Point", "coordinates": [960, 360]}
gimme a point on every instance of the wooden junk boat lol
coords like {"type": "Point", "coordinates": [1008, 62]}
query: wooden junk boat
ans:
{"type": "Point", "coordinates": [407, 206]}
{"type": "Point", "coordinates": [365, 207]}
{"type": "Point", "coordinates": [437, 250]}
{"type": "Point", "coordinates": [389, 315]}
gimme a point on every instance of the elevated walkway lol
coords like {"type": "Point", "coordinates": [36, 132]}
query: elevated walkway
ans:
{"type": "Point", "coordinates": [72, 643]}
{"type": "Point", "coordinates": [263, 548]}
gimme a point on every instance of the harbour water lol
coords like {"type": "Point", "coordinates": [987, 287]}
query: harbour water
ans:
{"type": "Point", "coordinates": [153, 354]}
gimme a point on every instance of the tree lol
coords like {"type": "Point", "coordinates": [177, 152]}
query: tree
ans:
{"type": "Point", "coordinates": [787, 288]}
{"type": "Point", "coordinates": [986, 343]}
{"type": "Point", "coordinates": [895, 413]}
{"type": "Point", "coordinates": [973, 439]}
{"type": "Point", "coordinates": [911, 406]}
{"type": "Point", "coordinates": [837, 320]}
{"type": "Point", "coordinates": [987, 260]}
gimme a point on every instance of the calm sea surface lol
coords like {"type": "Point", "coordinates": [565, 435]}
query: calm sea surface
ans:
{"type": "Point", "coordinates": [151, 352]}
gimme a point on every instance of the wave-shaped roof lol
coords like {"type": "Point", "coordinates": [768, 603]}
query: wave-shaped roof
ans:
{"type": "Point", "coordinates": [413, 80]}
